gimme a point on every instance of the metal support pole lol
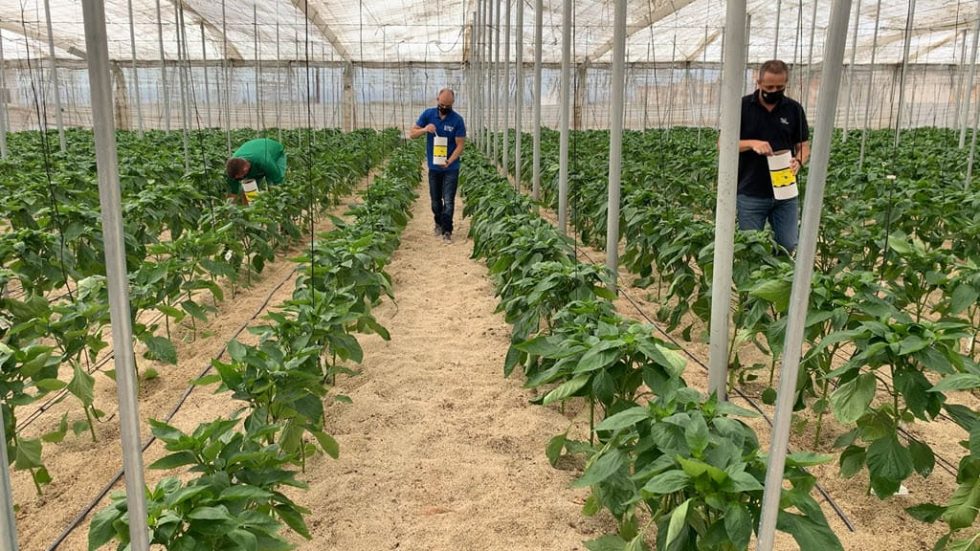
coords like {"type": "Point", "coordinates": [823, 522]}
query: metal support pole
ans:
{"type": "Point", "coordinates": [536, 127]}
{"type": "Point", "coordinates": [732, 82]}
{"type": "Point", "coordinates": [809, 59]}
{"type": "Point", "coordinates": [163, 68]}
{"type": "Point", "coordinates": [850, 72]}
{"type": "Point", "coordinates": [8, 521]}
{"type": "Point", "coordinates": [775, 42]}
{"type": "Point", "coordinates": [497, 85]}
{"type": "Point", "coordinates": [564, 112]}
{"type": "Point", "coordinates": [259, 119]}
{"type": "Point", "coordinates": [968, 92]}
{"type": "Point", "coordinates": [224, 69]}
{"type": "Point", "coordinates": [3, 112]}
{"type": "Point", "coordinates": [519, 94]}
{"type": "Point", "coordinates": [179, 26]}
{"type": "Point", "coordinates": [871, 76]}
{"type": "Point", "coordinates": [616, 141]}
{"type": "Point", "coordinates": [973, 149]}
{"type": "Point", "coordinates": [116, 278]}
{"type": "Point", "coordinates": [803, 270]}
{"type": "Point", "coordinates": [278, 69]}
{"type": "Point", "coordinates": [905, 66]}
{"type": "Point", "coordinates": [958, 92]}
{"type": "Point", "coordinates": [54, 79]}
{"type": "Point", "coordinates": [505, 83]}
{"type": "Point", "coordinates": [136, 78]}
{"type": "Point", "coordinates": [488, 76]}
{"type": "Point", "coordinates": [207, 85]}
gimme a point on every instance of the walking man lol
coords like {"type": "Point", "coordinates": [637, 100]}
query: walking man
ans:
{"type": "Point", "coordinates": [445, 134]}
{"type": "Point", "coordinates": [771, 122]}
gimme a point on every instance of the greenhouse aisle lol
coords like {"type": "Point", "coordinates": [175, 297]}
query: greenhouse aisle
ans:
{"type": "Point", "coordinates": [438, 450]}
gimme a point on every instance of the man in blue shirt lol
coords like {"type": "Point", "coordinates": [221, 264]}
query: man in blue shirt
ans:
{"type": "Point", "coordinates": [445, 135]}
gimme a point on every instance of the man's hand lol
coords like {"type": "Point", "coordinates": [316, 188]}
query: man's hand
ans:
{"type": "Point", "coordinates": [430, 128]}
{"type": "Point", "coordinates": [795, 165]}
{"type": "Point", "coordinates": [761, 147]}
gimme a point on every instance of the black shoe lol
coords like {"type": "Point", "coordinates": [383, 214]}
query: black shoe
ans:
{"type": "Point", "coordinates": [437, 230]}
{"type": "Point", "coordinates": [447, 237]}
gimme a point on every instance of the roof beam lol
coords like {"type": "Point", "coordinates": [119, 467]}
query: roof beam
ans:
{"type": "Point", "coordinates": [311, 13]}
{"type": "Point", "coordinates": [42, 37]}
{"type": "Point", "coordinates": [651, 17]}
{"type": "Point", "coordinates": [695, 55]}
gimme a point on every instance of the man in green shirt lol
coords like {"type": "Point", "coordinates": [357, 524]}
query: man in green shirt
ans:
{"type": "Point", "coordinates": [255, 160]}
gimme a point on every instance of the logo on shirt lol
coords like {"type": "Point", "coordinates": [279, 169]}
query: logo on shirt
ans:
{"type": "Point", "coordinates": [784, 120]}
{"type": "Point", "coordinates": [448, 128]}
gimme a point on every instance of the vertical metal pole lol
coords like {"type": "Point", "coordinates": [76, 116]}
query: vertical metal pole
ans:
{"type": "Point", "coordinates": [519, 94]}
{"type": "Point", "coordinates": [497, 84]}
{"type": "Point", "coordinates": [732, 82]}
{"type": "Point", "coordinates": [968, 92]}
{"type": "Point", "coordinates": [54, 79]}
{"type": "Point", "coordinates": [905, 65]}
{"type": "Point", "coordinates": [179, 26]}
{"type": "Point", "coordinates": [563, 114]}
{"type": "Point", "coordinates": [505, 83]}
{"type": "Point", "coordinates": [227, 77]}
{"type": "Point", "coordinates": [809, 59]}
{"type": "Point", "coordinates": [259, 119]}
{"type": "Point", "coordinates": [3, 113]}
{"type": "Point", "coordinates": [207, 85]}
{"type": "Point", "coordinates": [116, 279]}
{"type": "Point", "coordinates": [616, 141]}
{"type": "Point", "coordinates": [973, 149]}
{"type": "Point", "coordinates": [536, 127]}
{"type": "Point", "coordinates": [488, 73]}
{"type": "Point", "coordinates": [8, 522]}
{"type": "Point", "coordinates": [136, 77]}
{"type": "Point", "coordinates": [163, 70]}
{"type": "Point", "coordinates": [803, 270]}
{"type": "Point", "coordinates": [871, 76]}
{"type": "Point", "coordinates": [958, 93]}
{"type": "Point", "coordinates": [850, 72]}
{"type": "Point", "coordinates": [775, 42]}
{"type": "Point", "coordinates": [278, 72]}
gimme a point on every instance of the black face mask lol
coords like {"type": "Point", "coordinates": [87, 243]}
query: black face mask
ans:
{"type": "Point", "coordinates": [772, 98]}
{"type": "Point", "coordinates": [445, 110]}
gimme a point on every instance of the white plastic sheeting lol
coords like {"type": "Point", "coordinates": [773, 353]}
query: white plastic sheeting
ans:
{"type": "Point", "coordinates": [437, 31]}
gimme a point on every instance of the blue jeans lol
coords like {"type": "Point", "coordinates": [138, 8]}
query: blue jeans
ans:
{"type": "Point", "coordinates": [442, 191]}
{"type": "Point", "coordinates": [782, 216]}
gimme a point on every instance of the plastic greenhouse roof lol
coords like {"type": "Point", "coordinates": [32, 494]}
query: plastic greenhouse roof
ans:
{"type": "Point", "coordinates": [438, 31]}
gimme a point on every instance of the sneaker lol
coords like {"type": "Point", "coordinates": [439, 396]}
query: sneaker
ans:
{"type": "Point", "coordinates": [437, 230]}
{"type": "Point", "coordinates": [447, 237]}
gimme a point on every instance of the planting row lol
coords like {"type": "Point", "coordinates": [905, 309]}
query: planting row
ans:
{"type": "Point", "coordinates": [659, 454]}
{"type": "Point", "coordinates": [232, 496]}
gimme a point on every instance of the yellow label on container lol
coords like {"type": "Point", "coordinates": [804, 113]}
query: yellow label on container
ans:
{"type": "Point", "coordinates": [782, 178]}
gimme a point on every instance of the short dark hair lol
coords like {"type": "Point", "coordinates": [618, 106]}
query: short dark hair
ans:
{"type": "Point", "coordinates": [234, 166]}
{"type": "Point", "coordinates": [774, 66]}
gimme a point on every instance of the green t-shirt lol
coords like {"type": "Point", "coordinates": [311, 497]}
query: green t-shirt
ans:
{"type": "Point", "coordinates": [267, 159]}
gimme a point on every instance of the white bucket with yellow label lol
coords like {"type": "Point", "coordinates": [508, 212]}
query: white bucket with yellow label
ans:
{"type": "Point", "coordinates": [251, 189]}
{"type": "Point", "coordinates": [440, 150]}
{"type": "Point", "coordinates": [781, 175]}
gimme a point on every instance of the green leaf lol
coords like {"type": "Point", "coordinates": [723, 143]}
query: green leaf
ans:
{"type": "Point", "coordinates": [554, 449]}
{"type": "Point", "coordinates": [774, 291]}
{"type": "Point", "coordinates": [602, 468]}
{"type": "Point", "coordinates": [923, 460]}
{"type": "Point", "coordinates": [851, 400]}
{"type": "Point", "coordinates": [293, 519]}
{"type": "Point", "coordinates": [851, 461]}
{"type": "Point", "coordinates": [962, 298]}
{"type": "Point", "coordinates": [28, 455]}
{"type": "Point", "coordinates": [667, 483]}
{"type": "Point", "coordinates": [160, 349]}
{"type": "Point", "coordinates": [609, 542]}
{"type": "Point", "coordinates": [244, 539]}
{"type": "Point", "coordinates": [327, 442]}
{"type": "Point", "coordinates": [808, 533]}
{"type": "Point", "coordinates": [963, 505]}
{"type": "Point", "coordinates": [566, 389]}
{"type": "Point", "coordinates": [194, 309]}
{"type": "Point", "coordinates": [82, 385]}
{"type": "Point", "coordinates": [625, 418]}
{"type": "Point", "coordinates": [245, 491]}
{"type": "Point", "coordinates": [738, 524]}
{"type": "Point", "coordinates": [678, 519]}
{"type": "Point", "coordinates": [809, 459]}
{"type": "Point", "coordinates": [696, 435]}
{"type": "Point", "coordinates": [49, 385]}
{"type": "Point", "coordinates": [218, 514]}
{"type": "Point", "coordinates": [959, 381]}
{"type": "Point", "coordinates": [171, 312]}
{"type": "Point", "coordinates": [889, 463]}
{"type": "Point", "coordinates": [101, 530]}
{"type": "Point", "coordinates": [174, 460]}
{"type": "Point", "coordinates": [926, 512]}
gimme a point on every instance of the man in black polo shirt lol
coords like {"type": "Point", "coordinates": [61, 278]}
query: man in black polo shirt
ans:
{"type": "Point", "coordinates": [771, 122]}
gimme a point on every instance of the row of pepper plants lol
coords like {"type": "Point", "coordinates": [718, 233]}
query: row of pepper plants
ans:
{"type": "Point", "coordinates": [894, 315]}
{"type": "Point", "coordinates": [183, 242]}
{"type": "Point", "coordinates": [660, 454]}
{"type": "Point", "coordinates": [232, 493]}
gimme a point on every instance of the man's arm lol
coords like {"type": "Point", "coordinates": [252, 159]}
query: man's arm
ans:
{"type": "Point", "coordinates": [417, 130]}
{"type": "Point", "coordinates": [759, 146]}
{"type": "Point", "coordinates": [801, 154]}
{"type": "Point", "coordinates": [458, 152]}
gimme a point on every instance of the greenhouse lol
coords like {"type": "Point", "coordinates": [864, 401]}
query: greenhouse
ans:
{"type": "Point", "coordinates": [543, 275]}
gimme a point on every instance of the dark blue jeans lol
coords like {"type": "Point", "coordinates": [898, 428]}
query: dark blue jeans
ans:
{"type": "Point", "coordinates": [753, 212]}
{"type": "Point", "coordinates": [442, 191]}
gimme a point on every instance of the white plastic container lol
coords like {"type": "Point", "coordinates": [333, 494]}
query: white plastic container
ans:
{"type": "Point", "coordinates": [781, 175]}
{"type": "Point", "coordinates": [251, 189]}
{"type": "Point", "coordinates": [440, 150]}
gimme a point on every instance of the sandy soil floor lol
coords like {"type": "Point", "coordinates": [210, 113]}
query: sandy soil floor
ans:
{"type": "Point", "coordinates": [438, 450]}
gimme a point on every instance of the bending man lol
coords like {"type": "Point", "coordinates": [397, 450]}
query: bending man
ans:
{"type": "Point", "coordinates": [255, 160]}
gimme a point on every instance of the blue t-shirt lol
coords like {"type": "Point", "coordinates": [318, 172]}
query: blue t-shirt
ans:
{"type": "Point", "coordinates": [451, 127]}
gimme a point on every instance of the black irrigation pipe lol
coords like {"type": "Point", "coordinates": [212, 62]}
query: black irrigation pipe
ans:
{"type": "Point", "coordinates": [77, 520]}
